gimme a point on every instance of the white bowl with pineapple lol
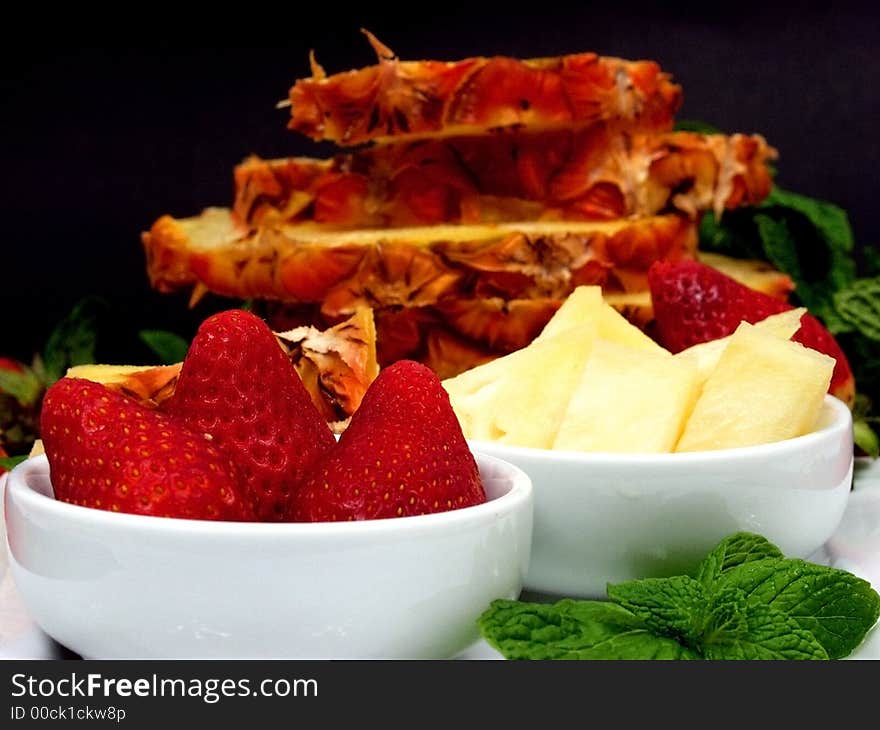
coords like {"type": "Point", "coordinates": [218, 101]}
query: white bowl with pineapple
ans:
{"type": "Point", "coordinates": [642, 460]}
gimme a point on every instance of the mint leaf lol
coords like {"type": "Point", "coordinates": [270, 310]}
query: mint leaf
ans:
{"type": "Point", "coordinates": [859, 306]}
{"type": "Point", "coordinates": [734, 235]}
{"type": "Point", "coordinates": [666, 606]}
{"type": "Point", "coordinates": [167, 346]}
{"type": "Point", "coordinates": [573, 630]}
{"type": "Point", "coordinates": [837, 607]}
{"type": "Point", "coordinates": [866, 438]}
{"type": "Point", "coordinates": [810, 240]}
{"type": "Point", "coordinates": [694, 125]}
{"type": "Point", "coordinates": [24, 386]}
{"type": "Point", "coordinates": [73, 341]}
{"type": "Point", "coordinates": [732, 551]}
{"type": "Point", "coordinates": [830, 222]}
{"type": "Point", "coordinates": [739, 629]}
{"type": "Point", "coordinates": [10, 462]}
{"type": "Point", "coordinates": [747, 602]}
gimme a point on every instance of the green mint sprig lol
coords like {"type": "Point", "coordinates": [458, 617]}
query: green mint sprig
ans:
{"type": "Point", "coordinates": [169, 347]}
{"type": "Point", "coordinates": [8, 463]}
{"type": "Point", "coordinates": [746, 601]}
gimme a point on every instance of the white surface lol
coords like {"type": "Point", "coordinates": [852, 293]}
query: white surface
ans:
{"type": "Point", "coordinates": [110, 585]}
{"type": "Point", "coordinates": [603, 518]}
{"type": "Point", "coordinates": [855, 546]}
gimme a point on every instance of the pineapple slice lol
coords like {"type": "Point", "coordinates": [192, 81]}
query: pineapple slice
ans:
{"type": "Point", "coordinates": [629, 400]}
{"type": "Point", "coordinates": [763, 389]}
{"type": "Point", "coordinates": [395, 100]}
{"type": "Point", "coordinates": [149, 384]}
{"type": "Point", "coordinates": [706, 355]}
{"type": "Point", "coordinates": [519, 399]}
{"type": "Point", "coordinates": [753, 273]}
{"type": "Point", "coordinates": [586, 304]}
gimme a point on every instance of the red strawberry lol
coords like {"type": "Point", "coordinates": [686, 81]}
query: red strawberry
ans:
{"type": "Point", "coordinates": [695, 303]}
{"type": "Point", "coordinates": [402, 454]}
{"type": "Point", "coordinates": [3, 455]}
{"type": "Point", "coordinates": [238, 386]}
{"type": "Point", "coordinates": [109, 452]}
{"type": "Point", "coordinates": [13, 365]}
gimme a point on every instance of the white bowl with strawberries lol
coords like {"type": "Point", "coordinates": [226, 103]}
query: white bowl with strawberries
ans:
{"type": "Point", "coordinates": [644, 455]}
{"type": "Point", "coordinates": [229, 522]}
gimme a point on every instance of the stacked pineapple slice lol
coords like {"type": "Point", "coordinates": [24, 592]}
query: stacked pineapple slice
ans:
{"type": "Point", "coordinates": [479, 194]}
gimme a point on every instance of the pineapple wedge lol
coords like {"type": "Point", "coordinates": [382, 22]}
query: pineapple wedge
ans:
{"type": "Point", "coordinates": [629, 400]}
{"type": "Point", "coordinates": [586, 304]}
{"type": "Point", "coordinates": [522, 400]}
{"type": "Point", "coordinates": [706, 355]}
{"type": "Point", "coordinates": [764, 389]}
{"type": "Point", "coordinates": [584, 307]}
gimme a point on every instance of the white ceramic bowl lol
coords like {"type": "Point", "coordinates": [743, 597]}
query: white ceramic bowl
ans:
{"type": "Point", "coordinates": [603, 518]}
{"type": "Point", "coordinates": [110, 585]}
{"type": "Point", "coordinates": [4, 558]}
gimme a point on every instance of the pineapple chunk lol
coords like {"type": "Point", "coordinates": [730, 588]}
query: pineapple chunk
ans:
{"type": "Point", "coordinates": [586, 304]}
{"type": "Point", "coordinates": [628, 400]}
{"type": "Point", "coordinates": [706, 355]}
{"type": "Point", "coordinates": [473, 380]}
{"type": "Point", "coordinates": [763, 389]}
{"type": "Point", "coordinates": [584, 307]}
{"type": "Point", "coordinates": [150, 384]}
{"type": "Point", "coordinates": [523, 406]}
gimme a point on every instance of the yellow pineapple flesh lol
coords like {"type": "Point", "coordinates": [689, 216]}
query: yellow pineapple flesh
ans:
{"type": "Point", "coordinates": [705, 355]}
{"type": "Point", "coordinates": [764, 389]}
{"type": "Point", "coordinates": [628, 400]}
{"type": "Point", "coordinates": [586, 304]}
{"type": "Point", "coordinates": [520, 398]}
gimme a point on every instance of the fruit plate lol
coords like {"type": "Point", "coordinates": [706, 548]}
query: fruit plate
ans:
{"type": "Point", "coordinates": [855, 546]}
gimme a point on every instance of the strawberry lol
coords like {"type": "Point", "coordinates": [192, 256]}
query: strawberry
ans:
{"type": "Point", "coordinates": [238, 387]}
{"type": "Point", "coordinates": [11, 365]}
{"type": "Point", "coordinates": [109, 452]}
{"type": "Point", "coordinates": [402, 454]}
{"type": "Point", "coordinates": [695, 303]}
{"type": "Point", "coordinates": [3, 455]}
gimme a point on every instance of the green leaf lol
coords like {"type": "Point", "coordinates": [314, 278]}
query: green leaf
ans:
{"type": "Point", "coordinates": [866, 438]}
{"type": "Point", "coordinates": [167, 346]}
{"type": "Point", "coordinates": [73, 341]}
{"type": "Point", "coordinates": [24, 386]}
{"type": "Point", "coordinates": [734, 235]}
{"type": "Point", "coordinates": [737, 628]}
{"type": "Point", "coordinates": [734, 550]}
{"type": "Point", "coordinates": [748, 602]}
{"type": "Point", "coordinates": [814, 247]}
{"type": "Point", "coordinates": [859, 306]}
{"type": "Point", "coordinates": [810, 240]}
{"type": "Point", "coordinates": [871, 256]}
{"type": "Point", "coordinates": [574, 630]}
{"type": "Point", "coordinates": [667, 606]}
{"type": "Point", "coordinates": [837, 607]}
{"type": "Point", "coordinates": [694, 125]}
{"type": "Point", "coordinates": [10, 462]}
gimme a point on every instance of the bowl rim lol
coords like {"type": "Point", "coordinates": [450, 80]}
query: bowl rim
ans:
{"type": "Point", "coordinates": [841, 420]}
{"type": "Point", "coordinates": [19, 489]}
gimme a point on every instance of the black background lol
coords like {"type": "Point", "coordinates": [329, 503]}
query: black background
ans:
{"type": "Point", "coordinates": [98, 142]}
